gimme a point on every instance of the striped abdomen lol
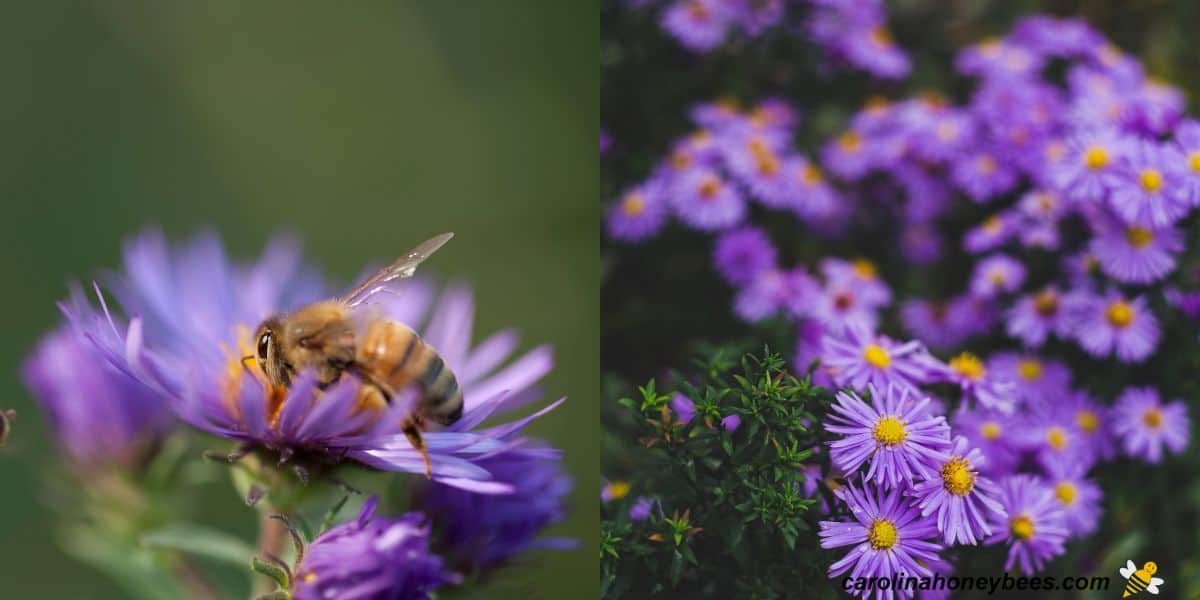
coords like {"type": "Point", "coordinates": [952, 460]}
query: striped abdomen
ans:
{"type": "Point", "coordinates": [397, 357]}
{"type": "Point", "coordinates": [1135, 585]}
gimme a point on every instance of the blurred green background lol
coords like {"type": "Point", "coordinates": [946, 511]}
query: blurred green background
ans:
{"type": "Point", "coordinates": [365, 127]}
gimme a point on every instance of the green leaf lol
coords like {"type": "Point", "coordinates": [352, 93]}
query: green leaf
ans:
{"type": "Point", "coordinates": [201, 541]}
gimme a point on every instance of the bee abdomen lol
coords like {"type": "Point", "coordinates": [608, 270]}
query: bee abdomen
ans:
{"type": "Point", "coordinates": [409, 359]}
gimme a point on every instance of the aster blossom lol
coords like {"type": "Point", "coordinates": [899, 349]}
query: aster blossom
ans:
{"type": "Point", "coordinates": [1033, 523]}
{"type": "Point", "coordinates": [1146, 426]}
{"type": "Point", "coordinates": [889, 537]}
{"type": "Point", "coordinates": [963, 500]}
{"type": "Point", "coordinates": [893, 433]}
{"type": "Point", "coordinates": [857, 357]}
{"type": "Point", "coordinates": [372, 558]}
{"type": "Point", "coordinates": [192, 357]}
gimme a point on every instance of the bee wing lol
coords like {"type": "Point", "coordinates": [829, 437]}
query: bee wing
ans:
{"type": "Point", "coordinates": [1128, 570]}
{"type": "Point", "coordinates": [402, 268]}
{"type": "Point", "coordinates": [1152, 588]}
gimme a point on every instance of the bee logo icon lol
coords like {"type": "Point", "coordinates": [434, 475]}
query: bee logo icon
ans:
{"type": "Point", "coordinates": [1140, 579]}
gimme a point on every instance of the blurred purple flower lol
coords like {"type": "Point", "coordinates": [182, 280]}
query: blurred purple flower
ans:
{"type": "Point", "coordinates": [1034, 523]}
{"type": "Point", "coordinates": [1145, 425]}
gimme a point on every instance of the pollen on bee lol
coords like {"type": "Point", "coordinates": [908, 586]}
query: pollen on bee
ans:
{"type": "Point", "coordinates": [236, 367]}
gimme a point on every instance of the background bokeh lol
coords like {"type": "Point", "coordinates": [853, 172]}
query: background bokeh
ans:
{"type": "Point", "coordinates": [364, 127]}
{"type": "Point", "coordinates": [662, 299]}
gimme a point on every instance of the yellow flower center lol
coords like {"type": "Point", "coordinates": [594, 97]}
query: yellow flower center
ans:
{"type": "Point", "coordinates": [1151, 180]}
{"type": "Point", "coordinates": [850, 141]}
{"type": "Point", "coordinates": [310, 577]}
{"type": "Point", "coordinates": [1056, 437]}
{"type": "Point", "coordinates": [1119, 314]}
{"type": "Point", "coordinates": [1095, 158]}
{"type": "Point", "coordinates": [881, 37]}
{"type": "Point", "coordinates": [617, 490]}
{"type": "Point", "coordinates": [968, 365]}
{"type": "Point", "coordinates": [680, 160]}
{"type": "Point", "coordinates": [990, 430]}
{"type": "Point", "coordinates": [1194, 161]}
{"type": "Point", "coordinates": [1046, 303]}
{"type": "Point", "coordinates": [946, 131]}
{"type": "Point", "coordinates": [1021, 527]}
{"type": "Point", "coordinates": [986, 164]}
{"type": "Point", "coordinates": [765, 160]}
{"type": "Point", "coordinates": [889, 431]}
{"type": "Point", "coordinates": [1065, 492]}
{"type": "Point", "coordinates": [634, 204]}
{"type": "Point", "coordinates": [1138, 237]}
{"type": "Point", "coordinates": [1087, 421]}
{"type": "Point", "coordinates": [698, 11]}
{"type": "Point", "coordinates": [993, 225]}
{"type": "Point", "coordinates": [957, 476]}
{"type": "Point", "coordinates": [997, 276]}
{"type": "Point", "coordinates": [864, 268]}
{"type": "Point", "coordinates": [710, 187]}
{"type": "Point", "coordinates": [1152, 418]}
{"type": "Point", "coordinates": [882, 534]}
{"type": "Point", "coordinates": [811, 175]}
{"type": "Point", "coordinates": [877, 357]}
{"type": "Point", "coordinates": [1030, 369]}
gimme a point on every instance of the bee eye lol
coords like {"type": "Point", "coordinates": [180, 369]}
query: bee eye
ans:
{"type": "Point", "coordinates": [264, 342]}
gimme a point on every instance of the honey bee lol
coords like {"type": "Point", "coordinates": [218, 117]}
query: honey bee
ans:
{"type": "Point", "coordinates": [1140, 579]}
{"type": "Point", "coordinates": [338, 335]}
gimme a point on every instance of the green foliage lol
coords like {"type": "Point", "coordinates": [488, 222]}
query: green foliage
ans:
{"type": "Point", "coordinates": [729, 517]}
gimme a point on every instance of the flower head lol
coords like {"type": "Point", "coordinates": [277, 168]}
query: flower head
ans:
{"type": "Point", "coordinates": [1034, 317]}
{"type": "Point", "coordinates": [888, 533]}
{"type": "Point", "coordinates": [372, 558]}
{"type": "Point", "coordinates": [997, 274]}
{"type": "Point", "coordinates": [706, 201]}
{"type": "Point", "coordinates": [479, 532]}
{"type": "Point", "coordinates": [1145, 425]}
{"type": "Point", "coordinates": [1136, 254]}
{"type": "Point", "coordinates": [193, 311]}
{"type": "Point", "coordinates": [1147, 191]}
{"type": "Point", "coordinates": [894, 433]}
{"type": "Point", "coordinates": [1111, 324]}
{"type": "Point", "coordinates": [858, 358]}
{"type": "Point", "coordinates": [1078, 496]}
{"type": "Point", "coordinates": [98, 414]}
{"type": "Point", "coordinates": [741, 254]}
{"type": "Point", "coordinates": [1033, 523]}
{"type": "Point", "coordinates": [963, 500]}
{"type": "Point", "coordinates": [639, 214]}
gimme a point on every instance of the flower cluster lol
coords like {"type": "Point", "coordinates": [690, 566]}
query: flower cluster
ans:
{"type": "Point", "coordinates": [1075, 175]}
{"type": "Point", "coordinates": [852, 32]}
{"type": "Point", "coordinates": [114, 386]}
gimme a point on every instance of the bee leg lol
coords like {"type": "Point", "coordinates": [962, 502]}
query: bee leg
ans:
{"type": "Point", "coordinates": [412, 430]}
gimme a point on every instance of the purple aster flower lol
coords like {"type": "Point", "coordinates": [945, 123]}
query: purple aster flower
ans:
{"type": "Point", "coordinates": [977, 385]}
{"type": "Point", "coordinates": [921, 243]}
{"type": "Point", "coordinates": [699, 25]}
{"type": "Point", "coordinates": [683, 407]}
{"type": "Point", "coordinates": [640, 510]}
{"type": "Point", "coordinates": [839, 305]}
{"type": "Point", "coordinates": [1187, 302]}
{"type": "Point", "coordinates": [997, 274]}
{"type": "Point", "coordinates": [1040, 234]}
{"type": "Point", "coordinates": [1035, 316]}
{"type": "Point", "coordinates": [1185, 162]}
{"type": "Point", "coordinates": [857, 357]}
{"type": "Point", "coordinates": [892, 433]}
{"type": "Point", "coordinates": [1146, 191]}
{"type": "Point", "coordinates": [1093, 422]}
{"type": "Point", "coordinates": [1057, 37]}
{"type": "Point", "coordinates": [995, 58]}
{"type": "Point", "coordinates": [1037, 379]}
{"type": "Point", "coordinates": [639, 214]}
{"type": "Point", "coordinates": [983, 175]}
{"type": "Point", "coordinates": [1052, 435]}
{"type": "Point", "coordinates": [889, 536]}
{"type": "Point", "coordinates": [931, 322]}
{"type": "Point", "coordinates": [944, 135]}
{"type": "Point", "coordinates": [99, 416]}
{"type": "Point", "coordinates": [872, 49]}
{"type": "Point", "coordinates": [1110, 324]}
{"type": "Point", "coordinates": [194, 314]}
{"type": "Point", "coordinates": [848, 156]}
{"type": "Point", "coordinates": [812, 196]}
{"type": "Point", "coordinates": [964, 500]}
{"type": "Point", "coordinates": [1090, 168]}
{"type": "Point", "coordinates": [1144, 424]}
{"type": "Point", "coordinates": [994, 434]}
{"type": "Point", "coordinates": [861, 275]}
{"type": "Point", "coordinates": [479, 532]}
{"type": "Point", "coordinates": [707, 202]}
{"type": "Point", "coordinates": [731, 423]}
{"type": "Point", "coordinates": [992, 233]}
{"type": "Point", "coordinates": [1136, 254]}
{"type": "Point", "coordinates": [1154, 107]}
{"type": "Point", "coordinates": [372, 558]}
{"type": "Point", "coordinates": [774, 291]}
{"type": "Point", "coordinates": [760, 167]}
{"type": "Point", "coordinates": [1042, 205]}
{"type": "Point", "coordinates": [1079, 497]}
{"type": "Point", "coordinates": [741, 254]}
{"type": "Point", "coordinates": [1034, 523]}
